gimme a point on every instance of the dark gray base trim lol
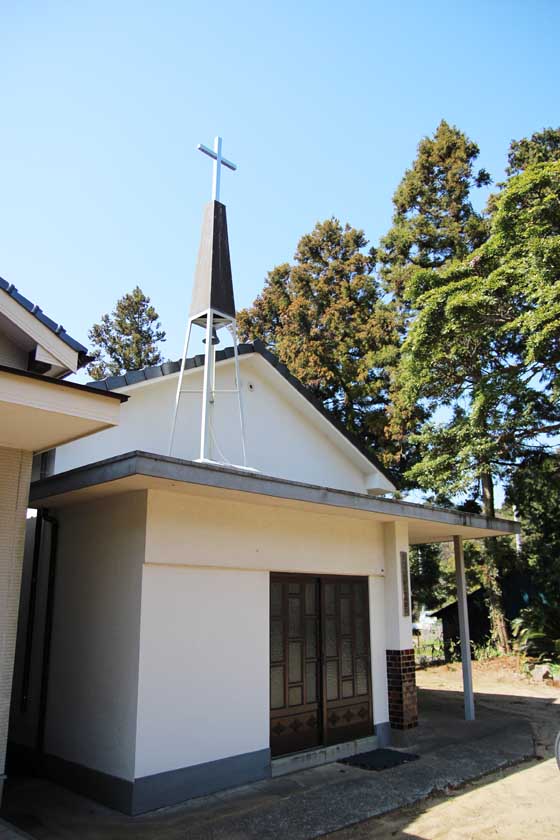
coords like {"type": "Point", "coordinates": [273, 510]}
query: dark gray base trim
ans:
{"type": "Point", "coordinates": [148, 792]}
{"type": "Point", "coordinates": [109, 790]}
{"type": "Point", "coordinates": [383, 733]}
{"type": "Point", "coordinates": [176, 786]}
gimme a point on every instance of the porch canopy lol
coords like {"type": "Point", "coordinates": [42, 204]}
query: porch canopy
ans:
{"type": "Point", "coordinates": [137, 470]}
{"type": "Point", "coordinates": [144, 471]}
{"type": "Point", "coordinates": [39, 412]}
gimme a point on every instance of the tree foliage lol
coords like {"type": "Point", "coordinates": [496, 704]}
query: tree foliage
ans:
{"type": "Point", "coordinates": [534, 492]}
{"type": "Point", "coordinates": [542, 147]}
{"type": "Point", "coordinates": [484, 343]}
{"type": "Point", "coordinates": [434, 220]}
{"type": "Point", "coordinates": [128, 338]}
{"type": "Point", "coordinates": [324, 316]}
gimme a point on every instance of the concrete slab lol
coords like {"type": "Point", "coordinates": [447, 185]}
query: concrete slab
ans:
{"type": "Point", "coordinates": [303, 805]}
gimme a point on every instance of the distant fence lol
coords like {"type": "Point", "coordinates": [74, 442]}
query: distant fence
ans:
{"type": "Point", "coordinates": [429, 653]}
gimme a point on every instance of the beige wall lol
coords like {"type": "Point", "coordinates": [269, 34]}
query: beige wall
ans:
{"type": "Point", "coordinates": [398, 626]}
{"type": "Point", "coordinates": [285, 436]}
{"type": "Point", "coordinates": [205, 622]}
{"type": "Point", "coordinates": [93, 685]}
{"type": "Point", "coordinates": [15, 473]}
{"type": "Point", "coordinates": [161, 622]}
{"type": "Point", "coordinates": [195, 531]}
{"type": "Point", "coordinates": [204, 666]}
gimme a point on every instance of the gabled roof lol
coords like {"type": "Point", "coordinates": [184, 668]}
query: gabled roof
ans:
{"type": "Point", "coordinates": [38, 313]}
{"type": "Point", "coordinates": [157, 371]}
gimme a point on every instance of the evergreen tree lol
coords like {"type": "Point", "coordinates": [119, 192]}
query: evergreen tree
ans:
{"type": "Point", "coordinates": [323, 315]}
{"type": "Point", "coordinates": [128, 338]}
{"type": "Point", "coordinates": [434, 220]}
{"type": "Point", "coordinates": [534, 492]}
{"type": "Point", "coordinates": [542, 147]}
{"type": "Point", "coordinates": [485, 344]}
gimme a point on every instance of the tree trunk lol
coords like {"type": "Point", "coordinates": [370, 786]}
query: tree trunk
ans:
{"type": "Point", "coordinates": [490, 573]}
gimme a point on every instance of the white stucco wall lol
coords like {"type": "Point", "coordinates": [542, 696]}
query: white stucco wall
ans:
{"type": "Point", "coordinates": [204, 667]}
{"type": "Point", "coordinates": [204, 653]}
{"type": "Point", "coordinates": [91, 710]}
{"type": "Point", "coordinates": [194, 530]}
{"type": "Point", "coordinates": [377, 623]}
{"type": "Point", "coordinates": [398, 626]}
{"type": "Point", "coordinates": [285, 437]}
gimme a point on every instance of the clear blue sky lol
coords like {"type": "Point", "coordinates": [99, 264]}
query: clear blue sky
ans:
{"type": "Point", "coordinates": [321, 105]}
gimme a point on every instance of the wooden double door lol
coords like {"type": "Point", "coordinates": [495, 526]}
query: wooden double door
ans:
{"type": "Point", "coordinates": [320, 671]}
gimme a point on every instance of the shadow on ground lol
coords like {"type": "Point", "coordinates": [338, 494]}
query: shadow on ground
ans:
{"type": "Point", "coordinates": [320, 801]}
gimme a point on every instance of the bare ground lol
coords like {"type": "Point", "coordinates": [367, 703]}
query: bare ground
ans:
{"type": "Point", "coordinates": [521, 803]}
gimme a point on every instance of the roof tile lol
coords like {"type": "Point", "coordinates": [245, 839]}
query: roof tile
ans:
{"type": "Point", "coordinates": [38, 313]}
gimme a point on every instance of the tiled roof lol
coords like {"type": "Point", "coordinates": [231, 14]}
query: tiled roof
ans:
{"type": "Point", "coordinates": [38, 313]}
{"type": "Point", "coordinates": [132, 377]}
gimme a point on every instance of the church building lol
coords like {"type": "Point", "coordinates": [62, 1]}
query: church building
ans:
{"type": "Point", "coordinates": [228, 577]}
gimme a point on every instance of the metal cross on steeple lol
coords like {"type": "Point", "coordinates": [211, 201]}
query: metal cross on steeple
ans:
{"type": "Point", "coordinates": [219, 161]}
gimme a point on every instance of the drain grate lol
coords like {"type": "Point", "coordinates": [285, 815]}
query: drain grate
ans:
{"type": "Point", "coordinates": [381, 759]}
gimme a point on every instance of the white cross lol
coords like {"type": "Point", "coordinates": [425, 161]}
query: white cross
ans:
{"type": "Point", "coordinates": [219, 161]}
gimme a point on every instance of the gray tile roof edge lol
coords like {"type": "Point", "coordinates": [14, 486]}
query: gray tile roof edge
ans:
{"type": "Point", "coordinates": [38, 313]}
{"type": "Point", "coordinates": [150, 464]}
{"type": "Point", "coordinates": [257, 346]}
{"type": "Point", "coordinates": [132, 377]}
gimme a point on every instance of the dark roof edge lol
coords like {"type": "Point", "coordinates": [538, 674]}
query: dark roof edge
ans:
{"type": "Point", "coordinates": [63, 383]}
{"type": "Point", "coordinates": [152, 465]}
{"type": "Point", "coordinates": [38, 313]}
{"type": "Point", "coordinates": [257, 346]}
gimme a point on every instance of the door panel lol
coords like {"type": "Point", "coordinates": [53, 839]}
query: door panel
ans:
{"type": "Point", "coordinates": [294, 664]}
{"type": "Point", "coordinates": [347, 708]}
{"type": "Point", "coordinates": [320, 685]}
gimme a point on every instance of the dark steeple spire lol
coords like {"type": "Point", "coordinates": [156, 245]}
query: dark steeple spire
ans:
{"type": "Point", "coordinates": [213, 286]}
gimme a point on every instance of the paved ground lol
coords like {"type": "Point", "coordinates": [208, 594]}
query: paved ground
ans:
{"type": "Point", "coordinates": [514, 724]}
{"type": "Point", "coordinates": [521, 803]}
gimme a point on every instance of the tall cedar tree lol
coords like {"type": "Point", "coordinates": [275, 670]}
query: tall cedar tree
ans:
{"type": "Point", "coordinates": [324, 317]}
{"type": "Point", "coordinates": [542, 147]}
{"type": "Point", "coordinates": [434, 220]}
{"type": "Point", "coordinates": [128, 338]}
{"type": "Point", "coordinates": [485, 344]}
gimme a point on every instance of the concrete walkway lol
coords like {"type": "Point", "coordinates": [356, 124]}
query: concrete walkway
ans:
{"type": "Point", "coordinates": [304, 805]}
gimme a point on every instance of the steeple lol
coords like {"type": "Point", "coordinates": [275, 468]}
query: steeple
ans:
{"type": "Point", "coordinates": [213, 286]}
{"type": "Point", "coordinates": [212, 308]}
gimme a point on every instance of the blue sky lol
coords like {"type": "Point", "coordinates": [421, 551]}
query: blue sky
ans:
{"type": "Point", "coordinates": [320, 105]}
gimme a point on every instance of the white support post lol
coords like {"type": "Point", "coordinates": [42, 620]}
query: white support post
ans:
{"type": "Point", "coordinates": [238, 386]}
{"type": "Point", "coordinates": [464, 628]}
{"type": "Point", "coordinates": [207, 394]}
{"type": "Point", "coordinates": [179, 385]}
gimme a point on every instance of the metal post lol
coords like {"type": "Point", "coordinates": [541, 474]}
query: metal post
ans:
{"type": "Point", "coordinates": [464, 628]}
{"type": "Point", "coordinates": [207, 395]}
{"type": "Point", "coordinates": [179, 383]}
{"type": "Point", "coordinates": [238, 386]}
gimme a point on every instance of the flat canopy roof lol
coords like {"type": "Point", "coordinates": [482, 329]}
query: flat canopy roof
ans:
{"type": "Point", "coordinates": [144, 471]}
{"type": "Point", "coordinates": [38, 412]}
